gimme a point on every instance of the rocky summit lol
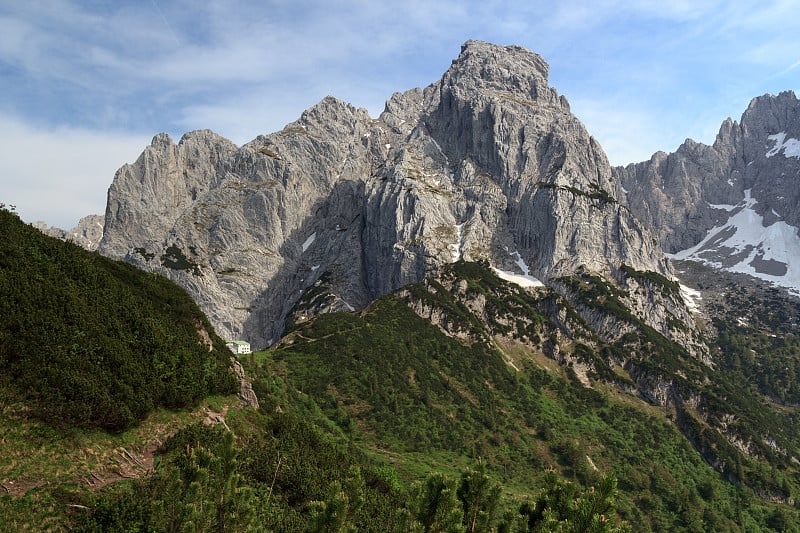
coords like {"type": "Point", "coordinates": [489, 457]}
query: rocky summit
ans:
{"type": "Point", "coordinates": [487, 163]}
{"type": "Point", "coordinates": [731, 205]}
{"type": "Point", "coordinates": [86, 234]}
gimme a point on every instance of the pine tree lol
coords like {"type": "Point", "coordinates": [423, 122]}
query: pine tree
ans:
{"type": "Point", "coordinates": [436, 506]}
{"type": "Point", "coordinates": [560, 506]}
{"type": "Point", "coordinates": [202, 491]}
{"type": "Point", "coordinates": [337, 513]}
{"type": "Point", "coordinates": [479, 498]}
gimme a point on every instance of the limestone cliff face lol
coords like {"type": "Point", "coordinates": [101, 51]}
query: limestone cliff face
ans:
{"type": "Point", "coordinates": [735, 202]}
{"type": "Point", "coordinates": [162, 185]}
{"type": "Point", "coordinates": [487, 163]}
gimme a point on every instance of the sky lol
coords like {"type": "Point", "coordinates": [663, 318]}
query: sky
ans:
{"type": "Point", "coordinates": [84, 85]}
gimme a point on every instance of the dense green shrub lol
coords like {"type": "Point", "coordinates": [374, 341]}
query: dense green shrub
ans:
{"type": "Point", "coordinates": [92, 342]}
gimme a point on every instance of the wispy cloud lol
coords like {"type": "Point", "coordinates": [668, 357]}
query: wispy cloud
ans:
{"type": "Point", "coordinates": [641, 73]}
{"type": "Point", "coordinates": [60, 175]}
{"type": "Point", "coordinates": [790, 68]}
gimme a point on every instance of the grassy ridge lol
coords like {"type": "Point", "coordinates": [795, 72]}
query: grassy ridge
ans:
{"type": "Point", "coordinates": [87, 341]}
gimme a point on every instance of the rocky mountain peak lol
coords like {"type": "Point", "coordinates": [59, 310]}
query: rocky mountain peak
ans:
{"type": "Point", "coordinates": [161, 141]}
{"type": "Point", "coordinates": [734, 204]}
{"type": "Point", "coordinates": [773, 112]}
{"type": "Point", "coordinates": [485, 164]}
{"type": "Point", "coordinates": [324, 117]}
{"type": "Point", "coordinates": [485, 67]}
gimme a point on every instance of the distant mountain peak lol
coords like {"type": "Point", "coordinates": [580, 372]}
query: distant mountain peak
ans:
{"type": "Point", "coordinates": [86, 234]}
{"type": "Point", "coordinates": [733, 205]}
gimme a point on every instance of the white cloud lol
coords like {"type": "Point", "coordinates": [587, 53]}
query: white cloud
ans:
{"type": "Point", "coordinates": [60, 175]}
{"type": "Point", "coordinates": [642, 74]}
{"type": "Point", "coordinates": [572, 16]}
{"type": "Point", "coordinates": [242, 119]}
{"type": "Point", "coordinates": [790, 68]}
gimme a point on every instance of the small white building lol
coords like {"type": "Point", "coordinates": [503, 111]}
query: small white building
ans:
{"type": "Point", "coordinates": [238, 347]}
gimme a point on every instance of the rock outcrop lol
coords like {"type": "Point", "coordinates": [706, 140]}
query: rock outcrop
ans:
{"type": "Point", "coordinates": [487, 163]}
{"type": "Point", "coordinates": [86, 234]}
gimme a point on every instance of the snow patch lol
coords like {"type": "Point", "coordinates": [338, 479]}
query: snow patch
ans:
{"type": "Point", "coordinates": [314, 268]}
{"type": "Point", "coordinates": [524, 280]}
{"type": "Point", "coordinates": [521, 264]}
{"type": "Point", "coordinates": [308, 242]}
{"type": "Point", "coordinates": [456, 246]}
{"type": "Point", "coordinates": [790, 147]}
{"type": "Point", "coordinates": [438, 147]}
{"type": "Point", "coordinates": [446, 159]}
{"type": "Point", "coordinates": [725, 207]}
{"type": "Point", "coordinates": [743, 244]}
{"type": "Point", "coordinates": [691, 298]}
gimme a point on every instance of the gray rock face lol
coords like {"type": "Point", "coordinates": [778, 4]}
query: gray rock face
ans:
{"type": "Point", "coordinates": [487, 163]}
{"type": "Point", "coordinates": [737, 199]}
{"type": "Point", "coordinates": [86, 234]}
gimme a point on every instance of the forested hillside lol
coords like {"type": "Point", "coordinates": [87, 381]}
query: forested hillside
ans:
{"type": "Point", "coordinates": [86, 341]}
{"type": "Point", "coordinates": [419, 415]}
{"type": "Point", "coordinates": [482, 386]}
{"type": "Point", "coordinates": [463, 403]}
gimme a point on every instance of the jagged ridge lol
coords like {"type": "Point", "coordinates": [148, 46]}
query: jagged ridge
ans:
{"type": "Point", "coordinates": [732, 205]}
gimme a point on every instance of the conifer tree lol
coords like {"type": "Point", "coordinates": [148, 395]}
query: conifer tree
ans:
{"type": "Point", "coordinates": [560, 506]}
{"type": "Point", "coordinates": [436, 506]}
{"type": "Point", "coordinates": [336, 514]}
{"type": "Point", "coordinates": [479, 498]}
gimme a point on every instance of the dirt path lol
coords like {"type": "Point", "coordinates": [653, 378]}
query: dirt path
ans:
{"type": "Point", "coordinates": [123, 462]}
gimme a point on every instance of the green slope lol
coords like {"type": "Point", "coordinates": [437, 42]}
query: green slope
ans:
{"type": "Point", "coordinates": [381, 420]}
{"type": "Point", "coordinates": [398, 387]}
{"type": "Point", "coordinates": [86, 341]}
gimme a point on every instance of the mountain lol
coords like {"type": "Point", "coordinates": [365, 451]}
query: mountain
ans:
{"type": "Point", "coordinates": [447, 401]}
{"type": "Point", "coordinates": [507, 318]}
{"type": "Point", "coordinates": [487, 163]}
{"type": "Point", "coordinates": [466, 363]}
{"type": "Point", "coordinates": [732, 205]}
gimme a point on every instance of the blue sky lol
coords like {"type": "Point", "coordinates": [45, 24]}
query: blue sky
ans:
{"type": "Point", "coordinates": [86, 84]}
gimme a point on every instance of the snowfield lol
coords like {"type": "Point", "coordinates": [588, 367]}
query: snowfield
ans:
{"type": "Point", "coordinates": [790, 147]}
{"type": "Point", "coordinates": [743, 244]}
